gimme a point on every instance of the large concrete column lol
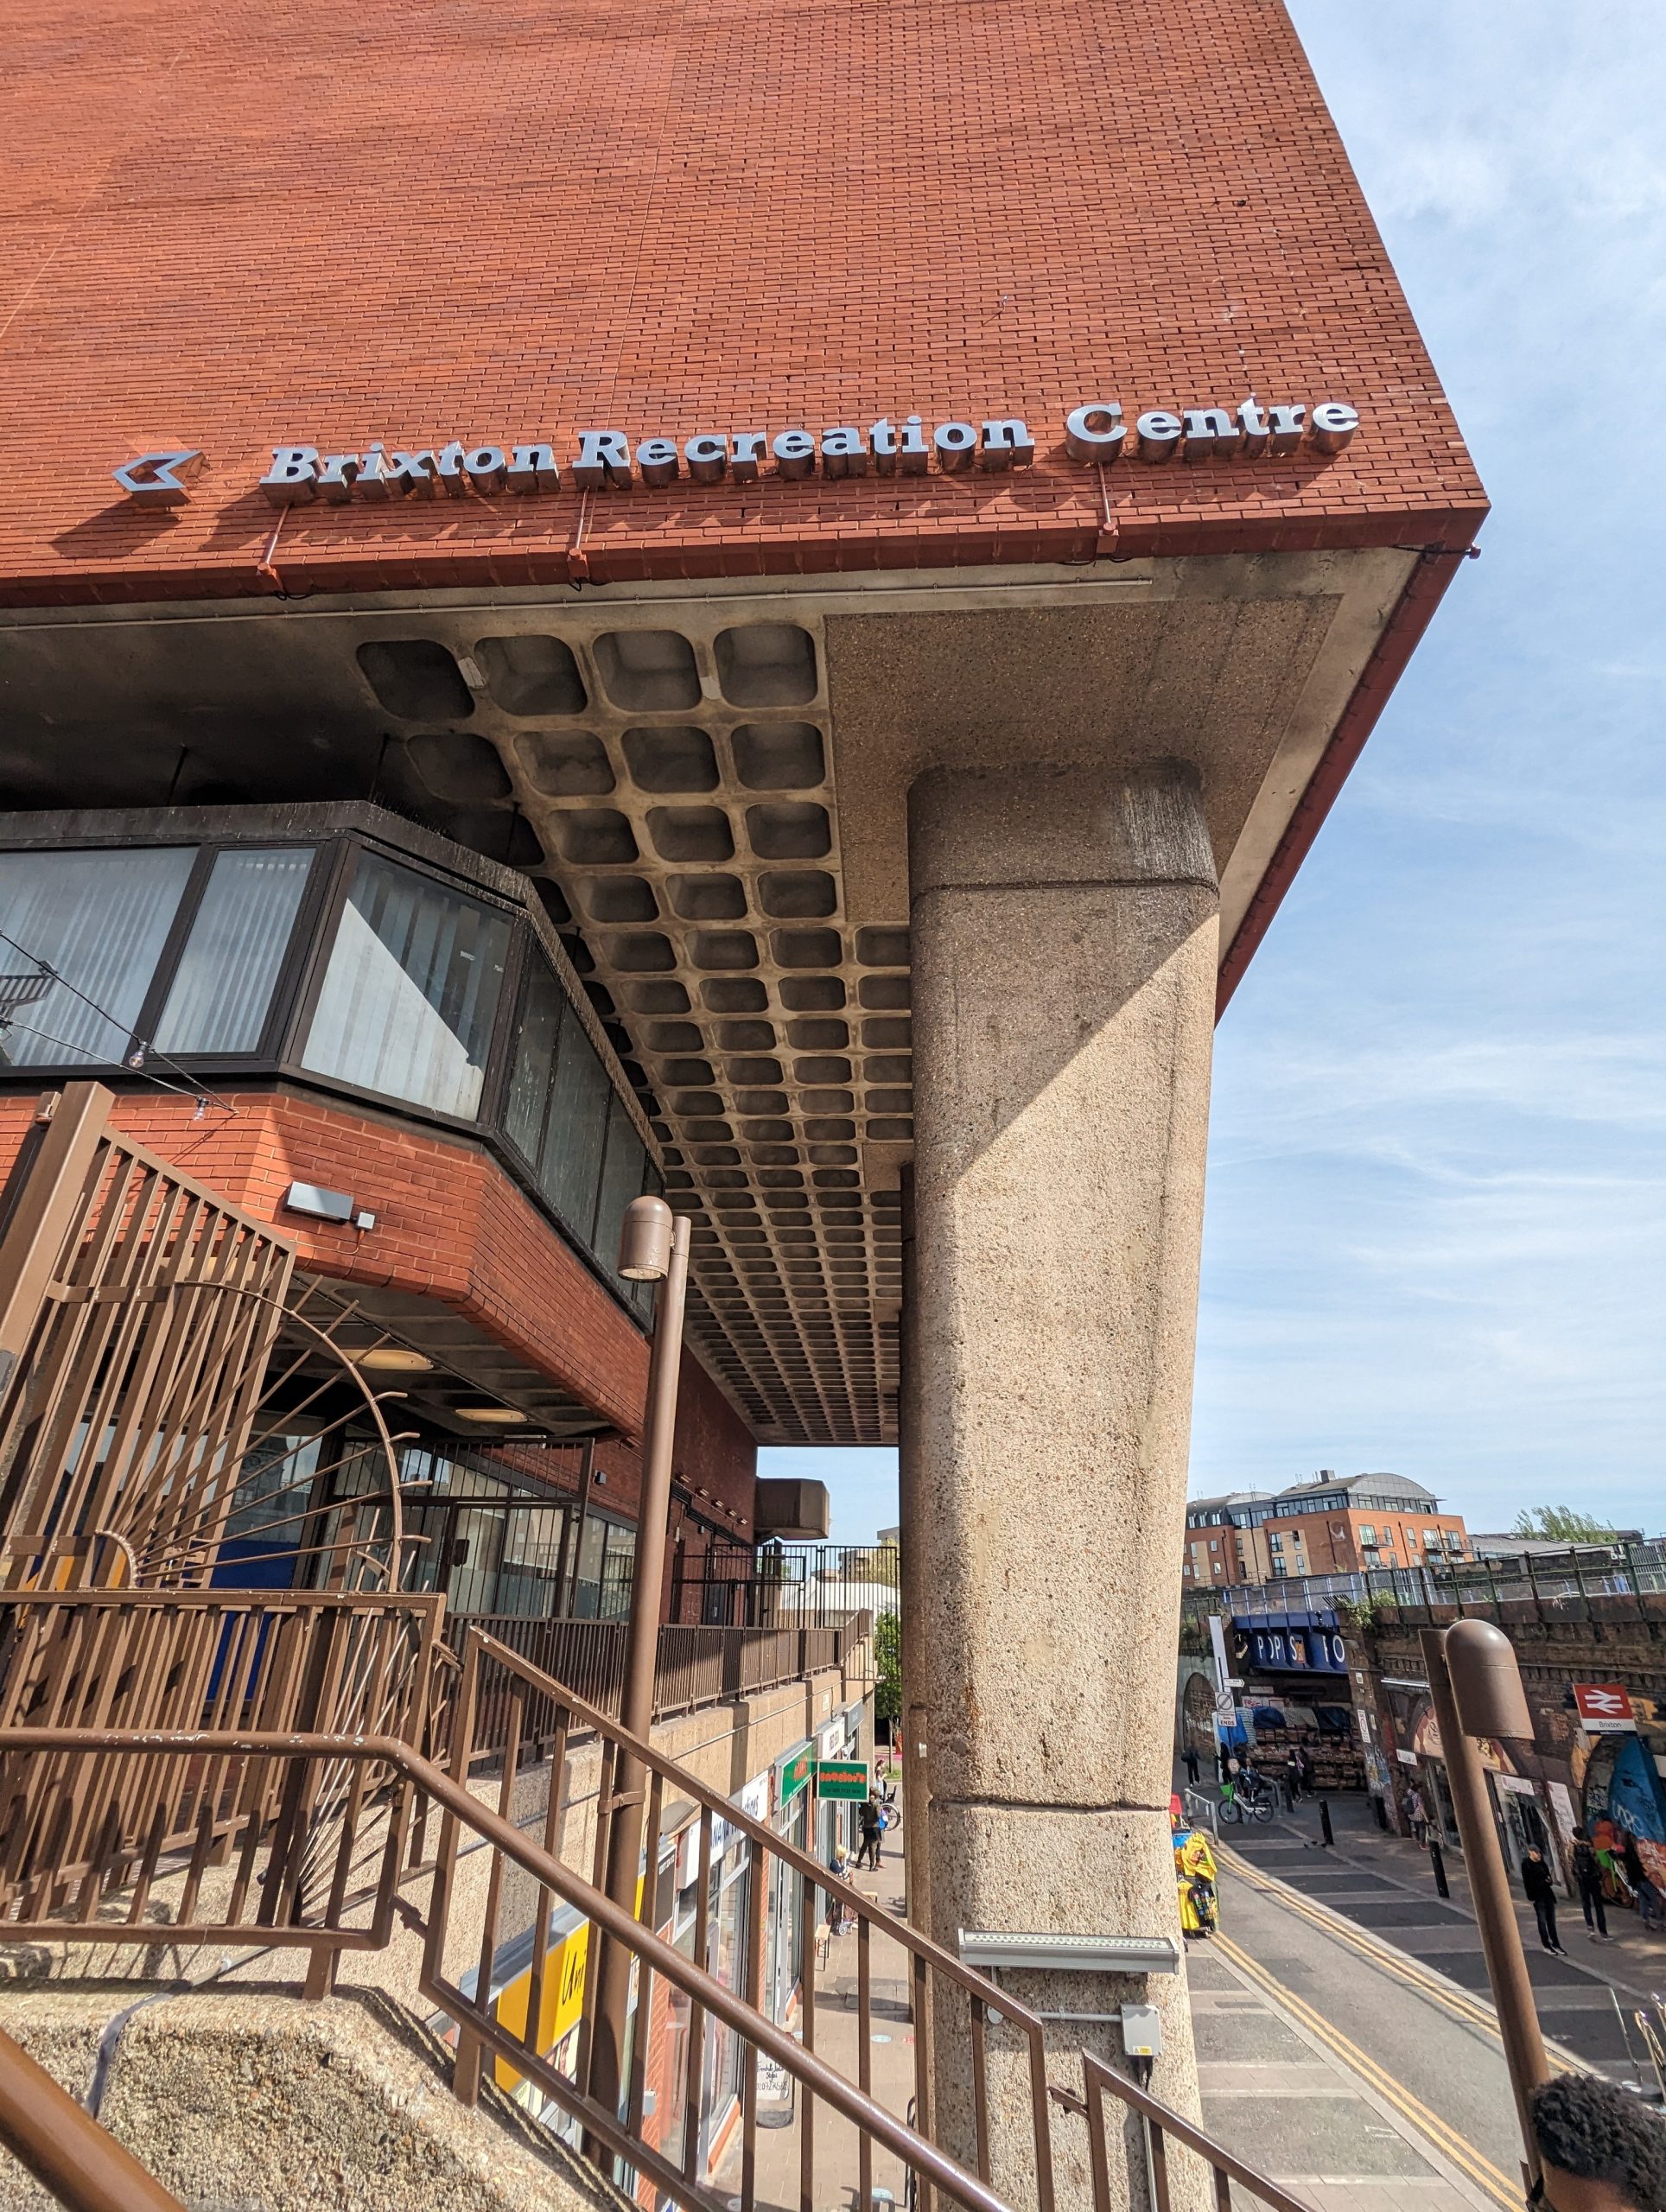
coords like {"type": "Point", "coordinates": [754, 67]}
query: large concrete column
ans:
{"type": "Point", "coordinates": [1064, 936]}
{"type": "Point", "coordinates": [914, 1729]}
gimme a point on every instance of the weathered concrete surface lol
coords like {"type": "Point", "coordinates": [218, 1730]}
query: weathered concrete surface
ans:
{"type": "Point", "coordinates": [1064, 927]}
{"type": "Point", "coordinates": [261, 2102]}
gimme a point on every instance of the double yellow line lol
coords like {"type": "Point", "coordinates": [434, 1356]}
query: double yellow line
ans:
{"type": "Point", "coordinates": [1452, 2147]}
{"type": "Point", "coordinates": [1458, 2002]}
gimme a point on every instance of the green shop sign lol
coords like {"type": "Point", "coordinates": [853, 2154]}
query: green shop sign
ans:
{"type": "Point", "coordinates": [842, 1778]}
{"type": "Point", "coordinates": [795, 1774]}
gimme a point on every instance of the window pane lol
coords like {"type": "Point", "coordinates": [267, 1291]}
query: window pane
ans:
{"type": "Point", "coordinates": [101, 920]}
{"type": "Point", "coordinates": [220, 996]}
{"type": "Point", "coordinates": [570, 1168]}
{"type": "Point", "coordinates": [535, 1060]}
{"type": "Point", "coordinates": [621, 1179]}
{"type": "Point", "coordinates": [410, 990]}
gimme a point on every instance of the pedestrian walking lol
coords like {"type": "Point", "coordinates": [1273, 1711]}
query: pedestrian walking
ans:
{"type": "Point", "coordinates": [1650, 1902]}
{"type": "Point", "coordinates": [1193, 1770]}
{"type": "Point", "coordinates": [1587, 1880]}
{"type": "Point", "coordinates": [1309, 1771]}
{"type": "Point", "coordinates": [1542, 1896]}
{"type": "Point", "coordinates": [873, 1828]}
{"type": "Point", "coordinates": [1417, 1815]}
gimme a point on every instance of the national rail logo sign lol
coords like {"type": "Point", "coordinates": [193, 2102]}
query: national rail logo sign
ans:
{"type": "Point", "coordinates": [1605, 1708]}
{"type": "Point", "coordinates": [1095, 434]}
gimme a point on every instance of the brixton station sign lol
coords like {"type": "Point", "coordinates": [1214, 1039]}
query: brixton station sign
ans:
{"type": "Point", "coordinates": [1096, 432]}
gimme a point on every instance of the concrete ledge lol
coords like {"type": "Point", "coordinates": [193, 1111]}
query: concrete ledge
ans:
{"type": "Point", "coordinates": [262, 2102]}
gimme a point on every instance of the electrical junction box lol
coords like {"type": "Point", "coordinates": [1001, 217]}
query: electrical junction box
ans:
{"type": "Point", "coordinates": [1142, 2032]}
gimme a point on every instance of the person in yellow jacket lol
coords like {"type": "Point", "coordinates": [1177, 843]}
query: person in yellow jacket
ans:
{"type": "Point", "coordinates": [1194, 1873]}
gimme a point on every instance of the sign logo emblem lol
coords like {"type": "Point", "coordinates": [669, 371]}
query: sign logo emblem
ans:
{"type": "Point", "coordinates": [1605, 1707]}
{"type": "Point", "coordinates": [153, 480]}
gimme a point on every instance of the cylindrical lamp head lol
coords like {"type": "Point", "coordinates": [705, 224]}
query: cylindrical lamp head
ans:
{"type": "Point", "coordinates": [1486, 1682]}
{"type": "Point", "coordinates": [645, 1240]}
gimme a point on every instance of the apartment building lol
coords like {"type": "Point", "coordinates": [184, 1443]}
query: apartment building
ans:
{"type": "Point", "coordinates": [1330, 1525]}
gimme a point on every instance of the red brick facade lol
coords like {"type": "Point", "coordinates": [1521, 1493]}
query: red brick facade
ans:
{"type": "Point", "coordinates": [232, 226]}
{"type": "Point", "coordinates": [451, 1225]}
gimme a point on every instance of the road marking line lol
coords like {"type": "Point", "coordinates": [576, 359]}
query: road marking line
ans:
{"type": "Point", "coordinates": [1438, 2132]}
{"type": "Point", "coordinates": [1399, 1964]}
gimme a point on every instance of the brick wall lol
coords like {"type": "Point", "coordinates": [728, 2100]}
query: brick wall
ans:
{"type": "Point", "coordinates": [451, 1225]}
{"type": "Point", "coordinates": [234, 225]}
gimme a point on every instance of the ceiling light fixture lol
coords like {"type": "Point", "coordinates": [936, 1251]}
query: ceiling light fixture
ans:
{"type": "Point", "coordinates": [493, 1416]}
{"type": "Point", "coordinates": [392, 1359]}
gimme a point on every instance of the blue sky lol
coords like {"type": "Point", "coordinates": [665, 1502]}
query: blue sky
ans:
{"type": "Point", "coordinates": [1437, 1202]}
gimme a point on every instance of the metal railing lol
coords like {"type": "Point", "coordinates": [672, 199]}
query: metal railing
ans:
{"type": "Point", "coordinates": [1617, 1570]}
{"type": "Point", "coordinates": [195, 1659]}
{"type": "Point", "coordinates": [1162, 2126]}
{"type": "Point", "coordinates": [698, 1666]}
{"type": "Point", "coordinates": [803, 1586]}
{"type": "Point", "coordinates": [727, 2003]}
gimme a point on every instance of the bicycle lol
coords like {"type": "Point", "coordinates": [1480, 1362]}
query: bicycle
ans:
{"type": "Point", "coordinates": [1246, 1801]}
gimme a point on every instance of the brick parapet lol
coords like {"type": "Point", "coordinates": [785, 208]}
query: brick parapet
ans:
{"type": "Point", "coordinates": [803, 216]}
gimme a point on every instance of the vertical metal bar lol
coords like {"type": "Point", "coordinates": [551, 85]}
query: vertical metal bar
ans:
{"type": "Point", "coordinates": [865, 2055]}
{"type": "Point", "coordinates": [756, 1895]}
{"type": "Point", "coordinates": [695, 2070]}
{"type": "Point", "coordinates": [466, 2080]}
{"type": "Point", "coordinates": [1222, 2182]}
{"type": "Point", "coordinates": [922, 2071]}
{"type": "Point", "coordinates": [644, 1973]}
{"type": "Point", "coordinates": [445, 1863]}
{"type": "Point", "coordinates": [1040, 2119]}
{"type": "Point", "coordinates": [1098, 2154]}
{"type": "Point", "coordinates": [552, 1810]}
{"type": "Point", "coordinates": [980, 2088]}
{"type": "Point", "coordinates": [1157, 2152]}
{"type": "Point", "coordinates": [605, 1776]}
{"type": "Point", "coordinates": [807, 2108]}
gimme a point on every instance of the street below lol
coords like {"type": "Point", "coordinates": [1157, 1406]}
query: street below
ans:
{"type": "Point", "coordinates": [1354, 1947]}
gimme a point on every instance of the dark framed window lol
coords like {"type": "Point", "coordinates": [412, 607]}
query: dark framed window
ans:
{"type": "Point", "coordinates": [410, 990]}
{"type": "Point", "coordinates": [326, 958]}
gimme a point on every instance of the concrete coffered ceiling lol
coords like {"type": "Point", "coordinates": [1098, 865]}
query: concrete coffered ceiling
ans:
{"type": "Point", "coordinates": [709, 783]}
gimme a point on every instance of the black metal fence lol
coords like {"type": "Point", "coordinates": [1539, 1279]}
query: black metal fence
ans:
{"type": "Point", "coordinates": [1617, 1570]}
{"type": "Point", "coordinates": [784, 1585]}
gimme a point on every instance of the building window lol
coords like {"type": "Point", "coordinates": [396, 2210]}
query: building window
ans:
{"type": "Point", "coordinates": [410, 992]}
{"type": "Point", "coordinates": [222, 991]}
{"type": "Point", "coordinates": [1368, 1536]}
{"type": "Point", "coordinates": [101, 920]}
{"type": "Point", "coordinates": [1276, 1540]}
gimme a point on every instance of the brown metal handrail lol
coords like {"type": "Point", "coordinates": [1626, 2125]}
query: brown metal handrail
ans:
{"type": "Point", "coordinates": [63, 2146]}
{"type": "Point", "coordinates": [935, 2168]}
{"type": "Point", "coordinates": [1161, 2125]}
{"type": "Point", "coordinates": [698, 1664]}
{"type": "Point", "coordinates": [667, 1779]}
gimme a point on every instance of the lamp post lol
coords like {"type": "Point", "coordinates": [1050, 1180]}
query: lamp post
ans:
{"type": "Point", "coordinates": [653, 1247]}
{"type": "Point", "coordinates": [1476, 1687]}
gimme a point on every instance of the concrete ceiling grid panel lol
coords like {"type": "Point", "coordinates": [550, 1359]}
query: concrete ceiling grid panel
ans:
{"type": "Point", "coordinates": [711, 783]}
{"type": "Point", "coordinates": [679, 782]}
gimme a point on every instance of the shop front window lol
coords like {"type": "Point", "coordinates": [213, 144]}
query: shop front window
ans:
{"type": "Point", "coordinates": [222, 991]}
{"type": "Point", "coordinates": [100, 920]}
{"type": "Point", "coordinates": [725, 2051]}
{"type": "Point", "coordinates": [411, 991]}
